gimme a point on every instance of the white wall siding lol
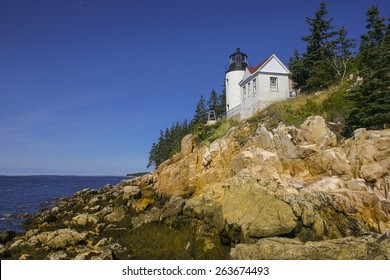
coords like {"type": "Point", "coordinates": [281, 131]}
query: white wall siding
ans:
{"type": "Point", "coordinates": [267, 94]}
{"type": "Point", "coordinates": [274, 66]}
{"type": "Point", "coordinates": [233, 90]}
{"type": "Point", "coordinates": [264, 96]}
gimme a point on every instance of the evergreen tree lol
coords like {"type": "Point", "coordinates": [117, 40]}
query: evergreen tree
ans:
{"type": "Point", "coordinates": [185, 127]}
{"type": "Point", "coordinates": [372, 97]}
{"type": "Point", "coordinates": [168, 143]}
{"type": "Point", "coordinates": [201, 115]}
{"type": "Point", "coordinates": [341, 51]}
{"type": "Point", "coordinates": [213, 101]}
{"type": "Point", "coordinates": [299, 73]}
{"type": "Point", "coordinates": [321, 32]}
{"type": "Point", "coordinates": [221, 108]}
{"type": "Point", "coordinates": [312, 71]}
{"type": "Point", "coordinates": [318, 50]}
{"type": "Point", "coordinates": [152, 155]}
{"type": "Point", "coordinates": [371, 42]}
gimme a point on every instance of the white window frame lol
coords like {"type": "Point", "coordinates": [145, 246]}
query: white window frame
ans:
{"type": "Point", "coordinates": [244, 92]}
{"type": "Point", "coordinates": [254, 86]}
{"type": "Point", "coordinates": [249, 88]}
{"type": "Point", "coordinates": [273, 83]}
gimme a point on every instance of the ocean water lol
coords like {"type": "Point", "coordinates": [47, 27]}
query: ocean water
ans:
{"type": "Point", "coordinates": [29, 194]}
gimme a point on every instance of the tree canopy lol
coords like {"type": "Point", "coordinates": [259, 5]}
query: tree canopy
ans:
{"type": "Point", "coordinates": [327, 54]}
{"type": "Point", "coordinates": [328, 58]}
{"type": "Point", "coordinates": [372, 98]}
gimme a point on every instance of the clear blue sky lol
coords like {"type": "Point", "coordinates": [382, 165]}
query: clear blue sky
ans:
{"type": "Point", "coordinates": [86, 85]}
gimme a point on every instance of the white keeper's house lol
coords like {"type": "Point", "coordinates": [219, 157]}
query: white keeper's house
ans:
{"type": "Point", "coordinates": [252, 88]}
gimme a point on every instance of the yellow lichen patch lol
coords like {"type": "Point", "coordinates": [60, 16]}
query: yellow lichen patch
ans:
{"type": "Point", "coordinates": [142, 204]}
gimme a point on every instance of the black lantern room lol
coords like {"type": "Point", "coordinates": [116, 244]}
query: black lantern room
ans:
{"type": "Point", "coordinates": [238, 61]}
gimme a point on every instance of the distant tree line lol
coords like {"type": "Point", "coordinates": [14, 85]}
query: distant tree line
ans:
{"type": "Point", "coordinates": [169, 140]}
{"type": "Point", "coordinates": [330, 55]}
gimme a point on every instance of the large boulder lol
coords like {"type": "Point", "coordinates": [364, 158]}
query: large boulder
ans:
{"type": "Point", "coordinates": [369, 154]}
{"type": "Point", "coordinates": [253, 156]}
{"type": "Point", "coordinates": [243, 205]}
{"type": "Point", "coordinates": [187, 145]}
{"type": "Point", "coordinates": [62, 238]}
{"type": "Point", "coordinates": [262, 139]}
{"type": "Point", "coordinates": [131, 192]}
{"type": "Point", "coordinates": [315, 131]}
{"type": "Point", "coordinates": [117, 215]}
{"type": "Point", "coordinates": [360, 248]}
{"type": "Point", "coordinates": [291, 155]}
{"type": "Point", "coordinates": [85, 219]}
{"type": "Point", "coordinates": [257, 213]}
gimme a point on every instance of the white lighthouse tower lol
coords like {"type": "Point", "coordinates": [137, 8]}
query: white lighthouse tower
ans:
{"type": "Point", "coordinates": [238, 62]}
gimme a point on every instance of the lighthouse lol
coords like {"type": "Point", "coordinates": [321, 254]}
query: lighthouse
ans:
{"type": "Point", "coordinates": [251, 89]}
{"type": "Point", "coordinates": [238, 62]}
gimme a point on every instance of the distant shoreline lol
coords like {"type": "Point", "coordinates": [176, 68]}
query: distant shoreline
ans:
{"type": "Point", "coordinates": [137, 174]}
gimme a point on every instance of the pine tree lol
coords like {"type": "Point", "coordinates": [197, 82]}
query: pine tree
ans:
{"type": "Point", "coordinates": [372, 97]}
{"type": "Point", "coordinates": [341, 51]}
{"type": "Point", "coordinates": [152, 155]}
{"type": "Point", "coordinates": [221, 108]}
{"type": "Point", "coordinates": [200, 116]}
{"type": "Point", "coordinates": [213, 101]}
{"type": "Point", "coordinates": [321, 31]}
{"type": "Point", "coordinates": [317, 51]}
{"type": "Point", "coordinates": [168, 143]}
{"type": "Point", "coordinates": [312, 71]}
{"type": "Point", "coordinates": [299, 73]}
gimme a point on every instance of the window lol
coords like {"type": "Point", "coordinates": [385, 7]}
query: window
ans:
{"type": "Point", "coordinates": [254, 85]}
{"type": "Point", "coordinates": [243, 92]}
{"type": "Point", "coordinates": [273, 83]}
{"type": "Point", "coordinates": [249, 88]}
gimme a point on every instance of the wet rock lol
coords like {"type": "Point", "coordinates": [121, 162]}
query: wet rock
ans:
{"type": "Point", "coordinates": [172, 209]}
{"type": "Point", "coordinates": [4, 252]}
{"type": "Point", "coordinates": [62, 238]}
{"type": "Point", "coordinates": [6, 236]}
{"type": "Point", "coordinates": [16, 246]}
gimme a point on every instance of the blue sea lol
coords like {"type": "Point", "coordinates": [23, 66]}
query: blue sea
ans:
{"type": "Point", "coordinates": [28, 194]}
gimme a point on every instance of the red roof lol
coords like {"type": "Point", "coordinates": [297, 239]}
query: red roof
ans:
{"type": "Point", "coordinates": [252, 69]}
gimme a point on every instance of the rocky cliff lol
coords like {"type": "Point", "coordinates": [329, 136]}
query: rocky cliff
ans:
{"type": "Point", "coordinates": [290, 193]}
